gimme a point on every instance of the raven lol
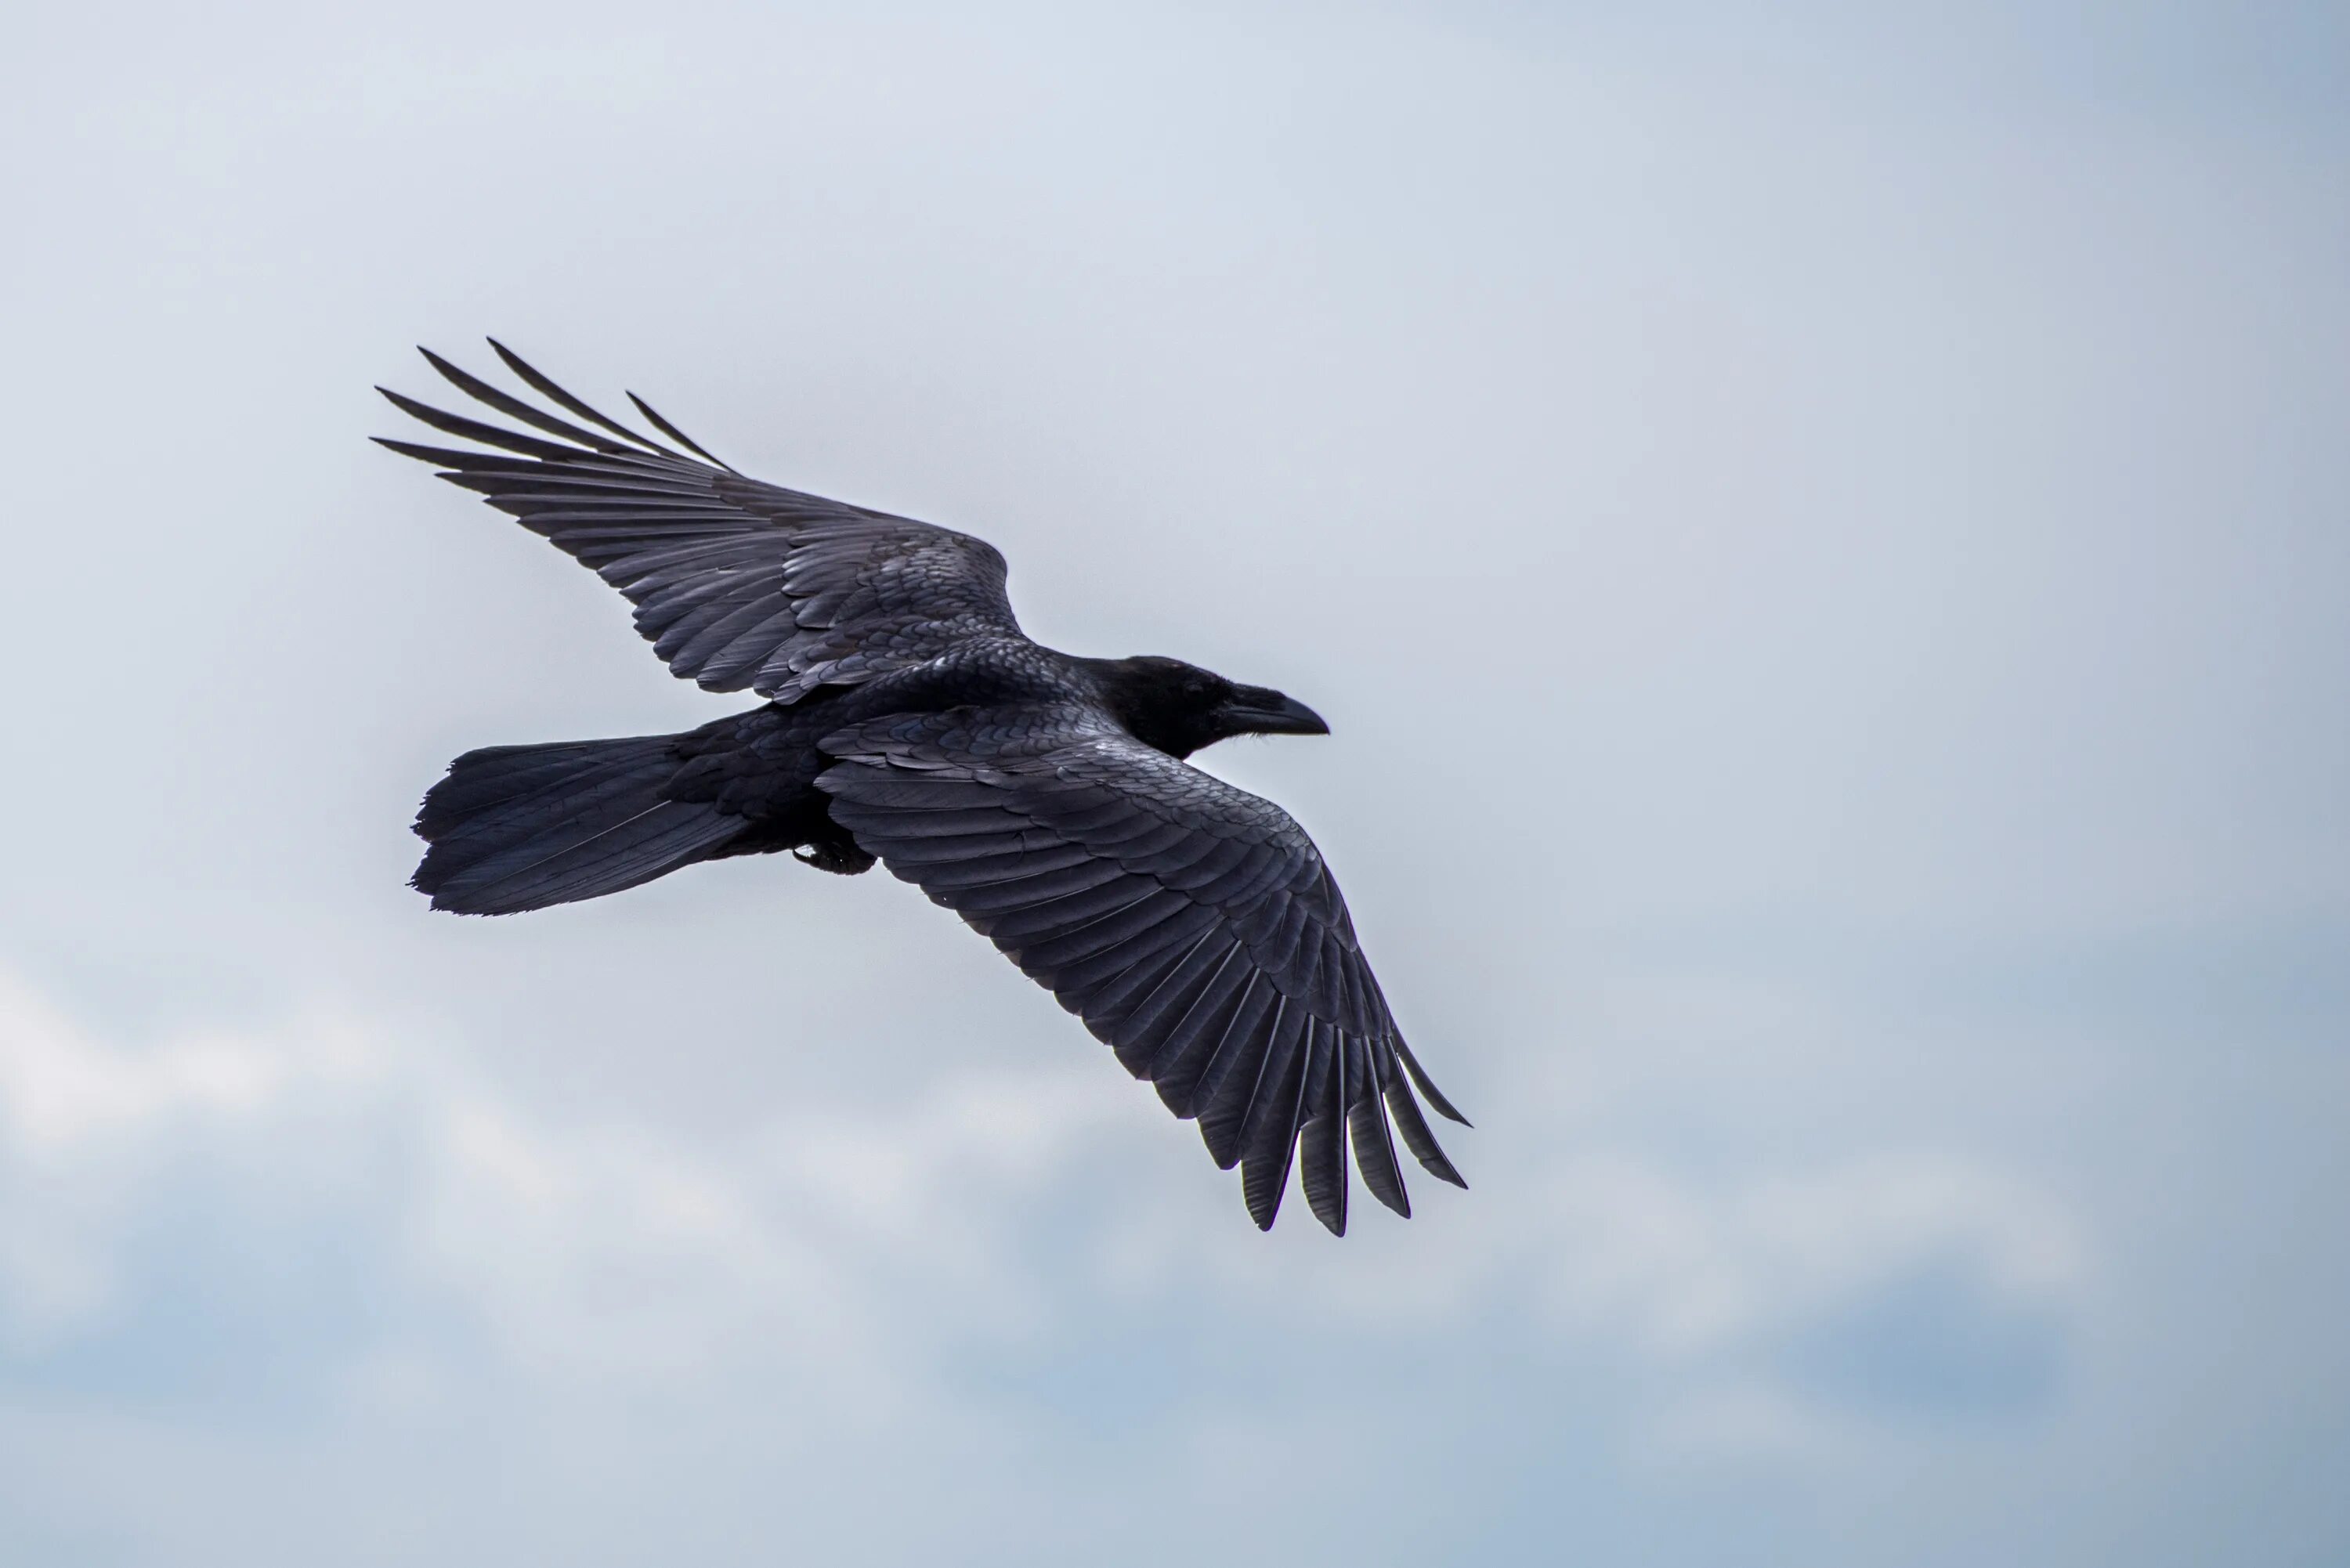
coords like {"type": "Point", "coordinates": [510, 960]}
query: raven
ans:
{"type": "Point", "coordinates": [1042, 797]}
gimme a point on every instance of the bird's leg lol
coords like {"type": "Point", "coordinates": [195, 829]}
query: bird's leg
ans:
{"type": "Point", "coordinates": [837, 854]}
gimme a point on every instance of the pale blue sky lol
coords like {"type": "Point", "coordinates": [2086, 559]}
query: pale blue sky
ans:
{"type": "Point", "coordinates": [1864, 493]}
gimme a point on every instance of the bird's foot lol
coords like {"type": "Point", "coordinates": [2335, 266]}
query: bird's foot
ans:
{"type": "Point", "coordinates": [839, 857]}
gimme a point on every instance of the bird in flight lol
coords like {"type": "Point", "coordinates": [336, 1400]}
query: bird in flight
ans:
{"type": "Point", "coordinates": [1042, 797]}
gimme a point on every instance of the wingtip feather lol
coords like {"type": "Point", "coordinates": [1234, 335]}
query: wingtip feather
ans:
{"type": "Point", "coordinates": [1375, 1156]}
{"type": "Point", "coordinates": [1420, 1077]}
{"type": "Point", "coordinates": [544, 386]}
{"type": "Point", "coordinates": [1324, 1157]}
{"type": "Point", "coordinates": [678, 435]}
{"type": "Point", "coordinates": [1416, 1137]}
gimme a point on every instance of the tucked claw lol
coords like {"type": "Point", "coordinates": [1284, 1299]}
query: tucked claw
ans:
{"type": "Point", "coordinates": [839, 857]}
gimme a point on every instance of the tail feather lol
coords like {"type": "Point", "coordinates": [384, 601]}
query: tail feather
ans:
{"type": "Point", "coordinates": [522, 828]}
{"type": "Point", "coordinates": [499, 773]}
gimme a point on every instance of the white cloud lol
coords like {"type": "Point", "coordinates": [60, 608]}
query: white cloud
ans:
{"type": "Point", "coordinates": [814, 1250]}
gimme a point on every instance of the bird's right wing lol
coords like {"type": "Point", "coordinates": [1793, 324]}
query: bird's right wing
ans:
{"type": "Point", "coordinates": [736, 583]}
{"type": "Point", "coordinates": [1190, 924]}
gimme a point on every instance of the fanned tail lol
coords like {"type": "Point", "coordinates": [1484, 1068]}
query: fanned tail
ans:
{"type": "Point", "coordinates": [522, 828]}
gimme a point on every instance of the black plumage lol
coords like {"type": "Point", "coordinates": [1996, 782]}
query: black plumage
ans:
{"type": "Point", "coordinates": [1042, 797]}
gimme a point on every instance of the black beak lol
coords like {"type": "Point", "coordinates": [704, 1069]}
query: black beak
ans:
{"type": "Point", "coordinates": [1255, 710]}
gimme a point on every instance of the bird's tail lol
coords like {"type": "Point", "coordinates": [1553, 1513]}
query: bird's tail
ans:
{"type": "Point", "coordinates": [521, 827]}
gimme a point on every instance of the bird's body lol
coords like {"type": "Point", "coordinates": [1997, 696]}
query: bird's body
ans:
{"type": "Point", "coordinates": [1042, 795]}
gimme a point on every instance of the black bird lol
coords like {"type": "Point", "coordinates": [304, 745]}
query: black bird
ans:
{"type": "Point", "coordinates": [1042, 797]}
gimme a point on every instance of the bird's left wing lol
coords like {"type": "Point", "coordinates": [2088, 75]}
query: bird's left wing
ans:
{"type": "Point", "coordinates": [1192, 925]}
{"type": "Point", "coordinates": [737, 583]}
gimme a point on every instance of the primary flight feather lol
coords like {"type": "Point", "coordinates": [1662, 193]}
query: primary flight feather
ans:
{"type": "Point", "coordinates": [1042, 797]}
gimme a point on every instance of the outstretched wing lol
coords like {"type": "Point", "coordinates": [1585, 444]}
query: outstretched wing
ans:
{"type": "Point", "coordinates": [1191, 925]}
{"type": "Point", "coordinates": [736, 583]}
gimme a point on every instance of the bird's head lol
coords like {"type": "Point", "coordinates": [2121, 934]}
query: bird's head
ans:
{"type": "Point", "coordinates": [1178, 707]}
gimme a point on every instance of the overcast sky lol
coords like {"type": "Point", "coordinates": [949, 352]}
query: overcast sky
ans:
{"type": "Point", "coordinates": [1859, 503]}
